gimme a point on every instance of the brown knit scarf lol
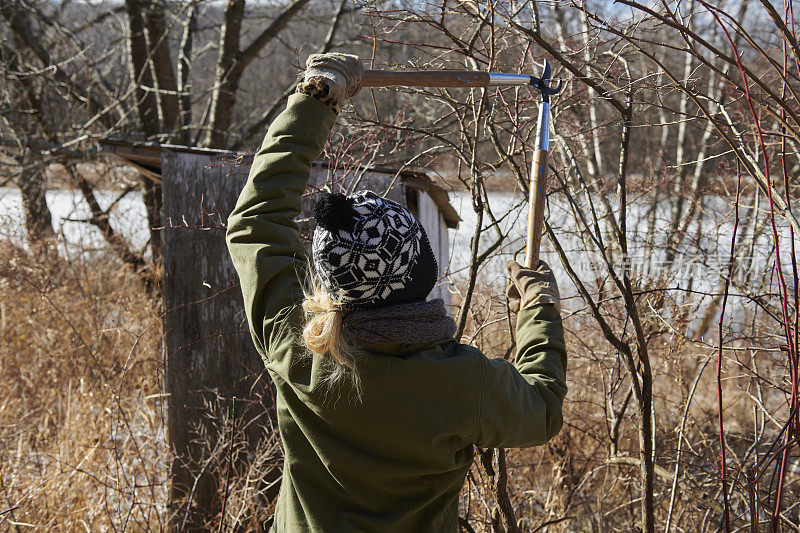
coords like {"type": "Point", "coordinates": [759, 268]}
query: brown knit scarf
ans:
{"type": "Point", "coordinates": [409, 323]}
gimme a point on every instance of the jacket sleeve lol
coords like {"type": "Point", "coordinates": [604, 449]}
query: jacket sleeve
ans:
{"type": "Point", "coordinates": [263, 239]}
{"type": "Point", "coordinates": [520, 404]}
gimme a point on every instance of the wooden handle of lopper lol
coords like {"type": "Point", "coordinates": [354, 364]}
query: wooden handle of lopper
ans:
{"type": "Point", "coordinates": [422, 78]}
{"type": "Point", "coordinates": [536, 199]}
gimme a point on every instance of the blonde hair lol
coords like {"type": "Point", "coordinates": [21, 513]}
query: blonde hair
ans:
{"type": "Point", "coordinates": [323, 336]}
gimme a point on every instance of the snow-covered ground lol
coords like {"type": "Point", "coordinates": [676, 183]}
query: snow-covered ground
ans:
{"type": "Point", "coordinates": [129, 218]}
{"type": "Point", "coordinates": [67, 208]}
{"type": "Point", "coordinates": [705, 253]}
{"type": "Point", "coordinates": [701, 264]}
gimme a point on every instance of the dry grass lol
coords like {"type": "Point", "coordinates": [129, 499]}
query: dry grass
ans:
{"type": "Point", "coordinates": [82, 421]}
{"type": "Point", "coordinates": [82, 443]}
{"type": "Point", "coordinates": [82, 438]}
{"type": "Point", "coordinates": [577, 481]}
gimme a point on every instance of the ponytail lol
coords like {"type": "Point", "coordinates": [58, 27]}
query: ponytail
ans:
{"type": "Point", "coordinates": [323, 336]}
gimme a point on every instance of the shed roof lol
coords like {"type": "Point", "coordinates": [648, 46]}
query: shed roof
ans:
{"type": "Point", "coordinates": [147, 158]}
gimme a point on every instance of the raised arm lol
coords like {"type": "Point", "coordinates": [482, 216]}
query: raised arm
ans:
{"type": "Point", "coordinates": [263, 239]}
{"type": "Point", "coordinates": [520, 404]}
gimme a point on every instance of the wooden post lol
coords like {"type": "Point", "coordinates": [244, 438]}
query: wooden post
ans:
{"type": "Point", "coordinates": [209, 355]}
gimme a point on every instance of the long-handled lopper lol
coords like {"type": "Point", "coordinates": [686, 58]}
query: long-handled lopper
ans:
{"type": "Point", "coordinates": [470, 78]}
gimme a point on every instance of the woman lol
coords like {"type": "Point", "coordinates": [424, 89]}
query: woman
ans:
{"type": "Point", "coordinates": [379, 408]}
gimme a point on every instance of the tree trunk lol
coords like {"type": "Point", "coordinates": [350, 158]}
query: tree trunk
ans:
{"type": "Point", "coordinates": [161, 63]}
{"type": "Point", "coordinates": [266, 117]}
{"type": "Point", "coordinates": [147, 105]}
{"type": "Point", "coordinates": [151, 196]}
{"type": "Point", "coordinates": [232, 63]}
{"type": "Point", "coordinates": [227, 75]}
{"type": "Point", "coordinates": [184, 76]}
{"type": "Point", "coordinates": [646, 454]}
{"type": "Point", "coordinates": [100, 220]}
{"type": "Point", "coordinates": [38, 220]}
{"type": "Point", "coordinates": [139, 69]}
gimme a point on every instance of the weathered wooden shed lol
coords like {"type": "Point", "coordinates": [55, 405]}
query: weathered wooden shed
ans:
{"type": "Point", "coordinates": [412, 187]}
{"type": "Point", "coordinates": [209, 359]}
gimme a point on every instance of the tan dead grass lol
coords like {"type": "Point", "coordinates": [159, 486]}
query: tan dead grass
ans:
{"type": "Point", "coordinates": [574, 484]}
{"type": "Point", "coordinates": [82, 444]}
{"type": "Point", "coordinates": [82, 438]}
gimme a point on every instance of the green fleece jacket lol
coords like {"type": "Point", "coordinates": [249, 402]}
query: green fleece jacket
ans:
{"type": "Point", "coordinates": [396, 460]}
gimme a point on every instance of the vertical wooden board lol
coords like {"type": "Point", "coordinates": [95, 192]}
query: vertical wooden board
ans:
{"type": "Point", "coordinates": [209, 355]}
{"type": "Point", "coordinates": [433, 222]}
{"type": "Point", "coordinates": [444, 252]}
{"type": "Point", "coordinates": [444, 269]}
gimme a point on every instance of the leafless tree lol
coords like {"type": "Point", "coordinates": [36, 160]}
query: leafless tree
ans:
{"type": "Point", "coordinates": [653, 138]}
{"type": "Point", "coordinates": [64, 73]}
{"type": "Point", "coordinates": [672, 180]}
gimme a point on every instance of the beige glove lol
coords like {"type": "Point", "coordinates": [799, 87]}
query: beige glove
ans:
{"type": "Point", "coordinates": [530, 287]}
{"type": "Point", "coordinates": [341, 72]}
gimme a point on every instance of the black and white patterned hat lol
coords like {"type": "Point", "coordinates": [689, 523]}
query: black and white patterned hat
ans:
{"type": "Point", "coordinates": [369, 251]}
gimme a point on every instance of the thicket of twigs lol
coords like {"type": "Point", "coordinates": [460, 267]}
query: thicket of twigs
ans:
{"type": "Point", "coordinates": [81, 427]}
{"type": "Point", "coordinates": [674, 164]}
{"type": "Point", "coordinates": [674, 172]}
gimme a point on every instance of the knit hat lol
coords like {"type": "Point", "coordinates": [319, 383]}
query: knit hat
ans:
{"type": "Point", "coordinates": [369, 251]}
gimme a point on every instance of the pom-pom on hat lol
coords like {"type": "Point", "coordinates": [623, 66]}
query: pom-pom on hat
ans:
{"type": "Point", "coordinates": [369, 251]}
